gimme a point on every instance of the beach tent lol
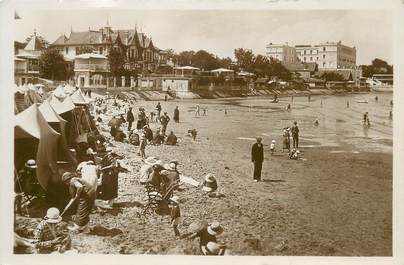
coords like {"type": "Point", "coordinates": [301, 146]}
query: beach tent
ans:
{"type": "Point", "coordinates": [31, 127]}
{"type": "Point", "coordinates": [61, 106]}
{"type": "Point", "coordinates": [78, 98]}
{"type": "Point", "coordinates": [69, 89]}
{"type": "Point", "coordinates": [59, 92]}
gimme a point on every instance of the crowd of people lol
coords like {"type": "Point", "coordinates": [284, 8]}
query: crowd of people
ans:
{"type": "Point", "coordinates": [93, 186]}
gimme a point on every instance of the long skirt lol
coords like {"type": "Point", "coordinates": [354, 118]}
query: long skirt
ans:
{"type": "Point", "coordinates": [109, 185]}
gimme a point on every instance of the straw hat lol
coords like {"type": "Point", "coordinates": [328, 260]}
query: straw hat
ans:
{"type": "Point", "coordinates": [53, 216]}
{"type": "Point", "coordinates": [213, 248]}
{"type": "Point", "coordinates": [151, 160]}
{"type": "Point", "coordinates": [175, 199]}
{"type": "Point", "coordinates": [210, 178]}
{"type": "Point", "coordinates": [31, 164]}
{"type": "Point", "coordinates": [170, 166]}
{"type": "Point", "coordinates": [67, 176]}
{"type": "Point", "coordinates": [215, 229]}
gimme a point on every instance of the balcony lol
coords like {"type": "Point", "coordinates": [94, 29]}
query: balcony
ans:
{"type": "Point", "coordinates": [33, 69]}
{"type": "Point", "coordinates": [91, 67]}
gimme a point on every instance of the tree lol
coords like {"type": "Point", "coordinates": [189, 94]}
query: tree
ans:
{"type": "Point", "coordinates": [184, 58]}
{"type": "Point", "coordinates": [205, 60]}
{"type": "Point", "coordinates": [52, 65]}
{"type": "Point", "coordinates": [332, 76]}
{"type": "Point", "coordinates": [378, 66]}
{"type": "Point", "coordinates": [116, 59]}
{"type": "Point", "coordinates": [244, 58]}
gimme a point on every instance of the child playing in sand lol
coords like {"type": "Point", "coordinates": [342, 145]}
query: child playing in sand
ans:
{"type": "Point", "coordinates": [272, 147]}
{"type": "Point", "coordinates": [175, 214]}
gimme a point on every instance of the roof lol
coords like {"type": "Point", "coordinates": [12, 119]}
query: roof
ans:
{"type": "Point", "coordinates": [61, 40]}
{"type": "Point", "coordinates": [78, 98]}
{"type": "Point", "coordinates": [91, 37]}
{"type": "Point", "coordinates": [300, 67]}
{"type": "Point", "coordinates": [49, 113]}
{"type": "Point", "coordinates": [90, 55]}
{"type": "Point", "coordinates": [222, 70]}
{"type": "Point", "coordinates": [187, 67]}
{"type": "Point", "coordinates": [34, 44]}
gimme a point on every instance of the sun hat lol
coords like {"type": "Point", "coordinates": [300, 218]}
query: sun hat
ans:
{"type": "Point", "coordinates": [213, 248]}
{"type": "Point", "coordinates": [215, 228]}
{"type": "Point", "coordinates": [170, 166]}
{"type": "Point", "coordinates": [67, 176]}
{"type": "Point", "coordinates": [210, 177]}
{"type": "Point", "coordinates": [175, 199]}
{"type": "Point", "coordinates": [53, 216]}
{"type": "Point", "coordinates": [151, 160]}
{"type": "Point", "coordinates": [31, 163]}
{"type": "Point", "coordinates": [108, 149]}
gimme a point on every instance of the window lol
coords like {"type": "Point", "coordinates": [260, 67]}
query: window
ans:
{"type": "Point", "coordinates": [101, 50]}
{"type": "Point", "coordinates": [324, 49]}
{"type": "Point", "coordinates": [311, 59]}
{"type": "Point", "coordinates": [67, 50]}
{"type": "Point", "coordinates": [317, 58]}
{"type": "Point", "coordinates": [323, 56]}
{"type": "Point", "coordinates": [304, 51]}
{"type": "Point", "coordinates": [77, 50]}
{"type": "Point", "coordinates": [304, 58]}
{"type": "Point", "coordinates": [323, 64]}
{"type": "Point", "coordinates": [311, 51]}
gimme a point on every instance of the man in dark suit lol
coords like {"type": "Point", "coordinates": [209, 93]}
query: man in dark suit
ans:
{"type": "Point", "coordinates": [257, 157]}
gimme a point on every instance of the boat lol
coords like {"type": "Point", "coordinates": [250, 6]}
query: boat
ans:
{"type": "Point", "coordinates": [381, 83]}
{"type": "Point", "coordinates": [361, 101]}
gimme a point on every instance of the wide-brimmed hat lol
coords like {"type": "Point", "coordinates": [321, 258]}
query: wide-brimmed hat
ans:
{"type": "Point", "coordinates": [210, 178]}
{"type": "Point", "coordinates": [213, 248]}
{"type": "Point", "coordinates": [53, 216]}
{"type": "Point", "coordinates": [67, 176]}
{"type": "Point", "coordinates": [215, 228]}
{"type": "Point", "coordinates": [31, 163]}
{"type": "Point", "coordinates": [151, 160]}
{"type": "Point", "coordinates": [175, 199]}
{"type": "Point", "coordinates": [170, 166]}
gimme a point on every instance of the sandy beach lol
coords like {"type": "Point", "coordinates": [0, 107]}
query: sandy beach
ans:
{"type": "Point", "coordinates": [335, 201]}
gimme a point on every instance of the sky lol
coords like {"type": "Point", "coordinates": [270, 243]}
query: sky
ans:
{"type": "Point", "coordinates": [221, 31]}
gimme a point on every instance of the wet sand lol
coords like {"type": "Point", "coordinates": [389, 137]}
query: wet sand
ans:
{"type": "Point", "coordinates": [336, 201]}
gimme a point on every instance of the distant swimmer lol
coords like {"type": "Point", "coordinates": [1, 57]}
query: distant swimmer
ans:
{"type": "Point", "coordinates": [316, 122]}
{"type": "Point", "coordinates": [288, 107]}
{"type": "Point", "coordinates": [391, 115]}
{"type": "Point", "coordinates": [391, 103]}
{"type": "Point", "coordinates": [347, 104]}
{"type": "Point", "coordinates": [366, 120]}
{"type": "Point", "coordinates": [321, 103]}
{"type": "Point", "coordinates": [376, 98]}
{"type": "Point", "coordinates": [309, 98]}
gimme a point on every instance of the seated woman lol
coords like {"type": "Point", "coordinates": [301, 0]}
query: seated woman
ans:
{"type": "Point", "coordinates": [209, 183]}
{"type": "Point", "coordinates": [51, 234]}
{"type": "Point", "coordinates": [171, 139]}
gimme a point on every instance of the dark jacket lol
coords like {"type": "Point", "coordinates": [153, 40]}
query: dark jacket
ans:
{"type": "Point", "coordinates": [257, 153]}
{"type": "Point", "coordinates": [130, 117]}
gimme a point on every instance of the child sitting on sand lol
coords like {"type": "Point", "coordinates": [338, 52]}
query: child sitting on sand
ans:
{"type": "Point", "coordinates": [294, 154]}
{"type": "Point", "coordinates": [272, 147]}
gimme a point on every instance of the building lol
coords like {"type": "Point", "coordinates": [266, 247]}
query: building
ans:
{"type": "Point", "coordinates": [26, 61]}
{"type": "Point", "coordinates": [140, 51]}
{"type": "Point", "coordinates": [328, 55]}
{"type": "Point", "coordinates": [282, 52]}
{"type": "Point", "coordinates": [91, 70]}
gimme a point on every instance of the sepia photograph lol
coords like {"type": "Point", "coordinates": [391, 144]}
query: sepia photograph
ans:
{"type": "Point", "coordinates": [203, 132]}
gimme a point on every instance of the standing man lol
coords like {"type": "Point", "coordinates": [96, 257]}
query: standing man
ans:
{"type": "Point", "coordinates": [130, 118]}
{"type": "Point", "coordinates": [176, 115]}
{"type": "Point", "coordinates": [295, 135]}
{"type": "Point", "coordinates": [164, 122]}
{"type": "Point", "coordinates": [158, 108]}
{"type": "Point", "coordinates": [257, 157]}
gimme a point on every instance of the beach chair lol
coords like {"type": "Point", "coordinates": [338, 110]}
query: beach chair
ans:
{"type": "Point", "coordinates": [154, 199]}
